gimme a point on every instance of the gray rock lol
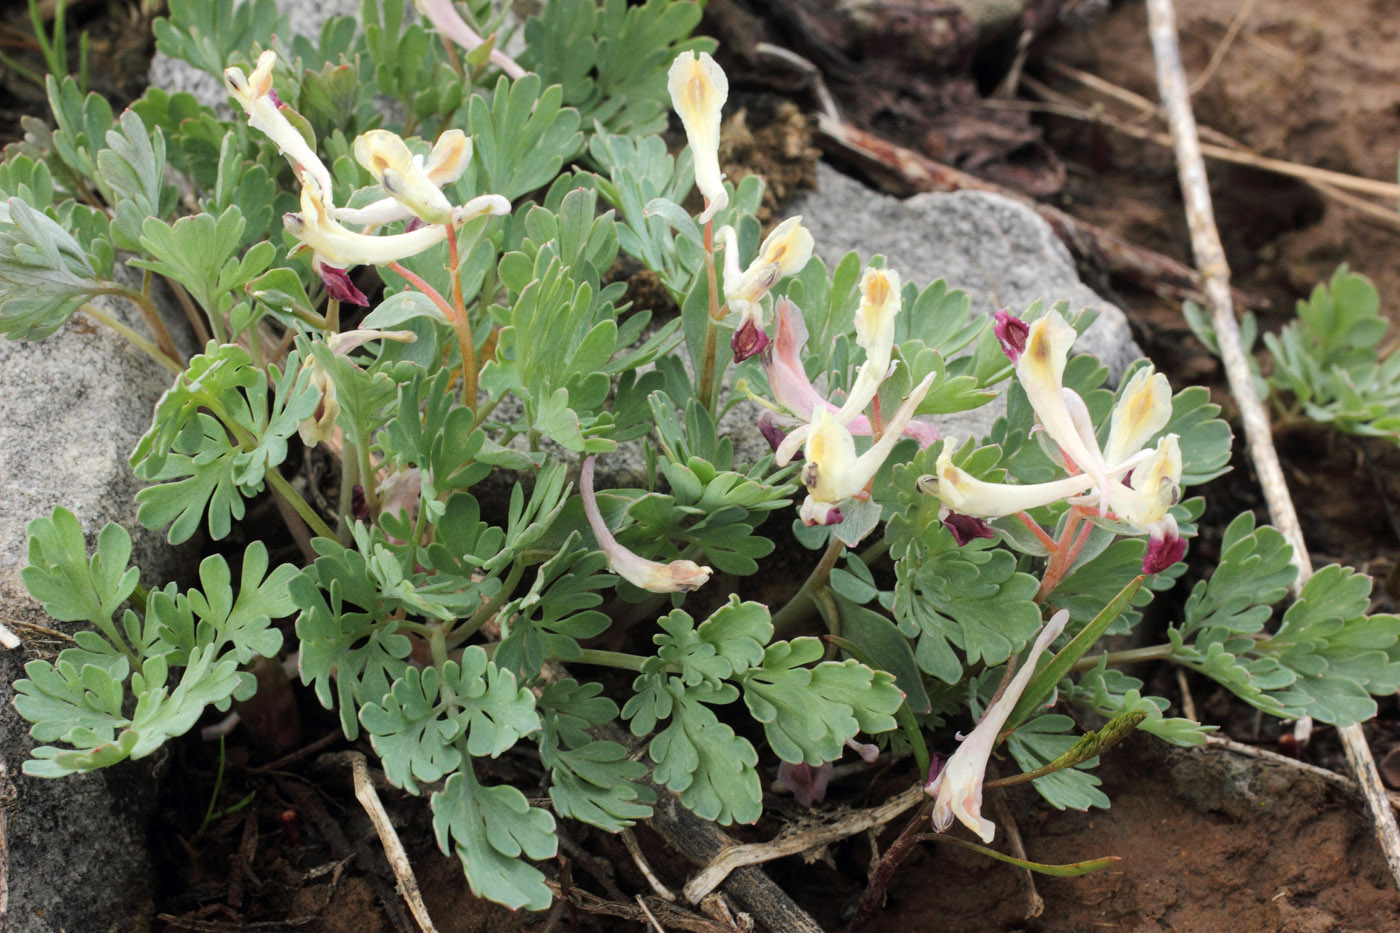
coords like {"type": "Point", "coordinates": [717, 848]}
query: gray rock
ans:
{"type": "Point", "coordinates": [998, 251]}
{"type": "Point", "coordinates": [71, 408]}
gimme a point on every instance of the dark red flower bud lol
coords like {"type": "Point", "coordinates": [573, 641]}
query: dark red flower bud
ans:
{"type": "Point", "coordinates": [1012, 332]}
{"type": "Point", "coordinates": [749, 340]}
{"type": "Point", "coordinates": [964, 528]}
{"type": "Point", "coordinates": [1162, 553]}
{"type": "Point", "coordinates": [339, 286]}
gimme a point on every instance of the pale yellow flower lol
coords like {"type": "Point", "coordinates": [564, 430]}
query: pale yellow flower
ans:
{"type": "Point", "coordinates": [699, 89]}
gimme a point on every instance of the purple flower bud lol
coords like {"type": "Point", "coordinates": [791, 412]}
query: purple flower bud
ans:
{"type": "Point", "coordinates": [808, 784]}
{"type": "Point", "coordinates": [964, 528]}
{"type": "Point", "coordinates": [1163, 552]}
{"type": "Point", "coordinates": [413, 224]}
{"type": "Point", "coordinates": [935, 768]}
{"type": "Point", "coordinates": [769, 429]}
{"type": "Point", "coordinates": [1012, 332]}
{"type": "Point", "coordinates": [749, 340]}
{"type": "Point", "coordinates": [339, 286]}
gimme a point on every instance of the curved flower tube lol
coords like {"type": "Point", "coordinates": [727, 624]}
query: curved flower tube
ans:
{"type": "Point", "coordinates": [782, 362]}
{"type": "Point", "coordinates": [413, 185]}
{"type": "Point", "coordinates": [699, 89]}
{"type": "Point", "coordinates": [679, 576]}
{"type": "Point", "coordinates": [957, 790]}
{"type": "Point", "coordinates": [255, 95]}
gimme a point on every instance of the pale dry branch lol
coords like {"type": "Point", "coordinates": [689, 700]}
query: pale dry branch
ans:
{"type": "Point", "coordinates": [794, 841]}
{"type": "Point", "coordinates": [629, 839]}
{"type": "Point", "coordinates": [1210, 259]}
{"type": "Point", "coordinates": [393, 848]}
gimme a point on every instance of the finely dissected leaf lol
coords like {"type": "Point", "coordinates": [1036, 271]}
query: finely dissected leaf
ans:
{"type": "Point", "coordinates": [84, 699]}
{"type": "Point", "coordinates": [72, 587]}
{"type": "Point", "coordinates": [591, 780]}
{"type": "Point", "coordinates": [201, 253]}
{"type": "Point", "coordinates": [556, 613]}
{"type": "Point", "coordinates": [704, 762]}
{"type": "Point", "coordinates": [489, 828]}
{"type": "Point", "coordinates": [809, 713]}
{"type": "Point", "coordinates": [1112, 693]}
{"type": "Point", "coordinates": [411, 732]}
{"type": "Point", "coordinates": [215, 435]}
{"type": "Point", "coordinates": [351, 649]}
{"type": "Point", "coordinates": [132, 172]}
{"type": "Point", "coordinates": [523, 136]}
{"type": "Point", "coordinates": [204, 32]}
{"type": "Point", "coordinates": [45, 274]}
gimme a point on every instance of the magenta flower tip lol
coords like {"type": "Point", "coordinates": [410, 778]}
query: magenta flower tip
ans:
{"type": "Point", "coordinates": [964, 528]}
{"type": "Point", "coordinates": [1012, 332]}
{"type": "Point", "coordinates": [749, 340]}
{"type": "Point", "coordinates": [769, 429]}
{"type": "Point", "coordinates": [339, 286]}
{"type": "Point", "coordinates": [1162, 553]}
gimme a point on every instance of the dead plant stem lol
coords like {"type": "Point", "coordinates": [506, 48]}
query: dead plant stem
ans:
{"type": "Point", "coordinates": [1210, 259]}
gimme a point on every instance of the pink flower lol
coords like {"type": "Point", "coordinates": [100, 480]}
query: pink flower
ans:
{"type": "Point", "coordinates": [679, 576]}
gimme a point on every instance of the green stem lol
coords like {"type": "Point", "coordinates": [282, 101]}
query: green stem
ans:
{"type": "Point", "coordinates": [283, 488]}
{"type": "Point", "coordinates": [460, 322]}
{"type": "Point", "coordinates": [479, 618]}
{"type": "Point", "coordinates": [367, 480]}
{"type": "Point", "coordinates": [1128, 656]}
{"type": "Point", "coordinates": [800, 605]}
{"type": "Point", "coordinates": [707, 368]}
{"type": "Point", "coordinates": [170, 364]}
{"type": "Point", "coordinates": [332, 322]}
{"type": "Point", "coordinates": [618, 659]}
{"type": "Point", "coordinates": [151, 316]}
{"type": "Point", "coordinates": [349, 476]}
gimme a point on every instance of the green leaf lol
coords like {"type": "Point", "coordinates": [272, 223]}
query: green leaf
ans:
{"type": "Point", "coordinates": [809, 713]}
{"type": "Point", "coordinates": [489, 828]}
{"type": "Point", "coordinates": [205, 33]}
{"type": "Point", "coordinates": [591, 780]}
{"type": "Point", "coordinates": [1042, 740]}
{"type": "Point", "coordinates": [72, 587]}
{"type": "Point", "coordinates": [522, 137]}
{"type": "Point", "coordinates": [45, 274]}
{"type": "Point", "coordinates": [201, 253]}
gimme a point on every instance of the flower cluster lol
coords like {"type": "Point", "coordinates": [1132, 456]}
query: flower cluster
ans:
{"type": "Point", "coordinates": [1123, 485]}
{"type": "Point", "coordinates": [412, 187]}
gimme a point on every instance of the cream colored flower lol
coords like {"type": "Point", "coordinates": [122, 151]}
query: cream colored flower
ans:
{"type": "Point", "coordinates": [965, 494]}
{"type": "Point", "coordinates": [414, 185]}
{"type": "Point", "coordinates": [255, 95]}
{"type": "Point", "coordinates": [318, 229]}
{"type": "Point", "coordinates": [784, 252]}
{"type": "Point", "coordinates": [957, 790]}
{"type": "Point", "coordinates": [699, 89]}
{"type": "Point", "coordinates": [833, 473]}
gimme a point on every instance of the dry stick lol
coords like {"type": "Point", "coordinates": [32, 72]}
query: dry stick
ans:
{"type": "Point", "coordinates": [1210, 257]}
{"type": "Point", "coordinates": [1136, 264]}
{"type": "Point", "coordinates": [1218, 56]}
{"type": "Point", "coordinates": [1035, 904]}
{"type": "Point", "coordinates": [393, 848]}
{"type": "Point", "coordinates": [629, 839]}
{"type": "Point", "coordinates": [793, 842]}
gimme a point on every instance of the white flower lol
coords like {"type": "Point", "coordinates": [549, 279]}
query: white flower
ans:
{"type": "Point", "coordinates": [320, 231]}
{"type": "Point", "coordinates": [784, 252]}
{"type": "Point", "coordinates": [833, 473]}
{"type": "Point", "coordinates": [414, 187]}
{"type": "Point", "coordinates": [699, 89]}
{"type": "Point", "coordinates": [255, 95]}
{"type": "Point", "coordinates": [957, 790]}
{"type": "Point", "coordinates": [445, 18]}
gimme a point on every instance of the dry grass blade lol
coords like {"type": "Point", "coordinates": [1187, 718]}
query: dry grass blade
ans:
{"type": "Point", "coordinates": [1210, 258]}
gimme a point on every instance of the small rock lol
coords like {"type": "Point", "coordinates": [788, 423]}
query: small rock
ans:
{"type": "Point", "coordinates": [71, 409]}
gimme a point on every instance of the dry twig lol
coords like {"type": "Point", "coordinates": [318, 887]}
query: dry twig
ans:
{"type": "Point", "coordinates": [793, 841]}
{"type": "Point", "coordinates": [393, 848]}
{"type": "Point", "coordinates": [1324, 774]}
{"type": "Point", "coordinates": [1035, 904]}
{"type": "Point", "coordinates": [629, 839]}
{"type": "Point", "coordinates": [1210, 258]}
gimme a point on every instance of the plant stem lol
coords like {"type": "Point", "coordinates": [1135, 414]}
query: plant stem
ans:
{"type": "Point", "coordinates": [283, 488]}
{"type": "Point", "coordinates": [332, 316]}
{"type": "Point", "coordinates": [1128, 656]}
{"type": "Point", "coordinates": [170, 364]}
{"type": "Point", "coordinates": [151, 316]}
{"type": "Point", "coordinates": [1062, 555]}
{"type": "Point", "coordinates": [618, 659]}
{"type": "Point", "coordinates": [349, 477]}
{"type": "Point", "coordinates": [707, 367]}
{"type": "Point", "coordinates": [800, 605]}
{"type": "Point", "coordinates": [367, 479]}
{"type": "Point", "coordinates": [873, 899]}
{"type": "Point", "coordinates": [460, 322]}
{"type": "Point", "coordinates": [490, 608]}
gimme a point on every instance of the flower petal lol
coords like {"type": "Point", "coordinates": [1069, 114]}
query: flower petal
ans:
{"type": "Point", "coordinates": [699, 88]}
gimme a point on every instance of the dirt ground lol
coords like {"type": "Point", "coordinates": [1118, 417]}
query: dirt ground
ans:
{"type": "Point", "coordinates": [1209, 841]}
